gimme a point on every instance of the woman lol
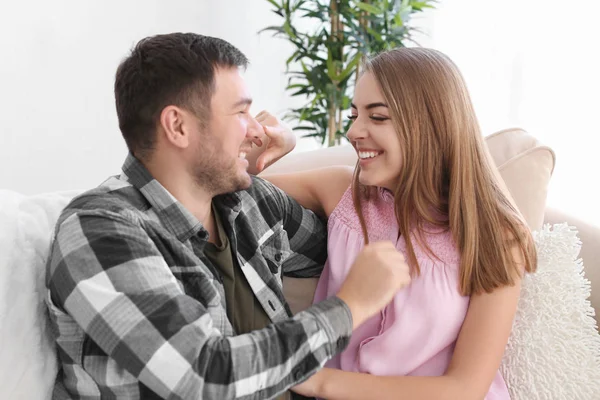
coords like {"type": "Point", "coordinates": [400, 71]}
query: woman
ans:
{"type": "Point", "coordinates": [425, 181]}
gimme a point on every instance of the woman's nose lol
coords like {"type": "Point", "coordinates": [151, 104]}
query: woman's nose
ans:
{"type": "Point", "coordinates": [357, 130]}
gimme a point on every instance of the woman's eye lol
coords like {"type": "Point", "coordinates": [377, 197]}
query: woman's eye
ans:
{"type": "Point", "coordinates": [378, 118]}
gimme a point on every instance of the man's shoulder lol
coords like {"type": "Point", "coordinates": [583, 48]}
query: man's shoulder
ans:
{"type": "Point", "coordinates": [273, 204]}
{"type": "Point", "coordinates": [261, 192]}
{"type": "Point", "coordinates": [259, 205]}
{"type": "Point", "coordinates": [261, 186]}
{"type": "Point", "coordinates": [268, 197]}
{"type": "Point", "coordinates": [114, 196]}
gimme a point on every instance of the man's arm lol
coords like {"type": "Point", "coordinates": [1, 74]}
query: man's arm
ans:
{"type": "Point", "coordinates": [307, 233]}
{"type": "Point", "coordinates": [109, 276]}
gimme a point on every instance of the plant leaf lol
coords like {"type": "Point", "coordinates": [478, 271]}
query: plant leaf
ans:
{"type": "Point", "coordinates": [277, 29]}
{"type": "Point", "coordinates": [420, 5]}
{"type": "Point", "coordinates": [274, 4]}
{"type": "Point", "coordinates": [398, 19]}
{"type": "Point", "coordinates": [331, 66]}
{"type": "Point", "coordinates": [351, 67]}
{"type": "Point", "coordinates": [370, 8]}
{"type": "Point", "coordinates": [376, 35]}
{"type": "Point", "coordinates": [304, 128]}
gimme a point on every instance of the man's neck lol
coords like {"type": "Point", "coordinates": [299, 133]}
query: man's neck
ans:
{"type": "Point", "coordinates": [192, 196]}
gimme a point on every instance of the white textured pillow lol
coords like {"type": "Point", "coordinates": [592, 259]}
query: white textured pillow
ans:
{"type": "Point", "coordinates": [27, 353]}
{"type": "Point", "coordinates": [554, 348]}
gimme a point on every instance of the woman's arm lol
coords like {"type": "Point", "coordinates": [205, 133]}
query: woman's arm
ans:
{"type": "Point", "coordinates": [475, 362]}
{"type": "Point", "coordinates": [319, 190]}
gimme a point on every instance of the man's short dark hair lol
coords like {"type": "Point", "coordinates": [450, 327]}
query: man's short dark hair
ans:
{"type": "Point", "coordinates": [172, 69]}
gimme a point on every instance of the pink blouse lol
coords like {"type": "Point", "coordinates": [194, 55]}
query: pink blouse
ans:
{"type": "Point", "coordinates": [416, 333]}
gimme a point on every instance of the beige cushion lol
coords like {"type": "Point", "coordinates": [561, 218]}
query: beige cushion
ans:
{"type": "Point", "coordinates": [337, 155]}
{"type": "Point", "coordinates": [524, 164]}
{"type": "Point", "coordinates": [526, 167]}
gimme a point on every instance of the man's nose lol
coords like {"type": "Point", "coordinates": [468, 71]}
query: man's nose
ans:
{"type": "Point", "coordinates": [255, 129]}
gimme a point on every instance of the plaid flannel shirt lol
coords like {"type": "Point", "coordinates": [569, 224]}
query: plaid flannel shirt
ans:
{"type": "Point", "coordinates": [139, 312]}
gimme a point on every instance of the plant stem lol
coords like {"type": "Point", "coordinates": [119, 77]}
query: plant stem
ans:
{"type": "Point", "coordinates": [340, 125]}
{"type": "Point", "coordinates": [335, 17]}
{"type": "Point", "coordinates": [362, 21]}
{"type": "Point", "coordinates": [332, 125]}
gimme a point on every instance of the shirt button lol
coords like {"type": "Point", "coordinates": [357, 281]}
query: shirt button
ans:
{"type": "Point", "coordinates": [278, 257]}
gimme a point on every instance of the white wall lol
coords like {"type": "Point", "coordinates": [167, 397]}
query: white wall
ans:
{"type": "Point", "coordinates": [526, 65]}
{"type": "Point", "coordinates": [535, 65]}
{"type": "Point", "coordinates": [58, 125]}
{"type": "Point", "coordinates": [239, 21]}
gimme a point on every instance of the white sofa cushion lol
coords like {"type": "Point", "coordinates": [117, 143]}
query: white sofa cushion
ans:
{"type": "Point", "coordinates": [554, 348]}
{"type": "Point", "coordinates": [590, 251]}
{"type": "Point", "coordinates": [27, 354]}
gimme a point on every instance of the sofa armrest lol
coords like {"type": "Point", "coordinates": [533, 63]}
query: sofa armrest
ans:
{"type": "Point", "coordinates": [590, 249]}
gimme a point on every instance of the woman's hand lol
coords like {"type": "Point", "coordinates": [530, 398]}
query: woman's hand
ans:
{"type": "Point", "coordinates": [278, 140]}
{"type": "Point", "coordinates": [313, 386]}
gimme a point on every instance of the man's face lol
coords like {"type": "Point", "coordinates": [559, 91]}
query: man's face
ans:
{"type": "Point", "coordinates": [219, 164]}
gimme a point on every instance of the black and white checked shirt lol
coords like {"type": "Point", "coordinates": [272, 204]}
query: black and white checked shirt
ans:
{"type": "Point", "coordinates": [139, 313]}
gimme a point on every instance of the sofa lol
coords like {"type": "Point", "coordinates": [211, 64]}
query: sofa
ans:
{"type": "Point", "coordinates": [27, 355]}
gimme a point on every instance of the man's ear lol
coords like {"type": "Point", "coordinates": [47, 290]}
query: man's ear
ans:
{"type": "Point", "coordinates": [175, 125]}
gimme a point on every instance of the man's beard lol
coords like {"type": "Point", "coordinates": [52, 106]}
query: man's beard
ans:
{"type": "Point", "coordinates": [216, 172]}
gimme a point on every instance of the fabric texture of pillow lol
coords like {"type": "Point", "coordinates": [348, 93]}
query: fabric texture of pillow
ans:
{"type": "Point", "coordinates": [554, 348]}
{"type": "Point", "coordinates": [28, 363]}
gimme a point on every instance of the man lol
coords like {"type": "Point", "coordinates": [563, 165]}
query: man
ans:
{"type": "Point", "coordinates": [165, 281]}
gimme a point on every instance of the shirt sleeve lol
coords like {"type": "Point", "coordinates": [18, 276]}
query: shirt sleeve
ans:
{"type": "Point", "coordinates": [107, 273]}
{"type": "Point", "coordinates": [307, 234]}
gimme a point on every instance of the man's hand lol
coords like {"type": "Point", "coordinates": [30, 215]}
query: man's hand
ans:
{"type": "Point", "coordinates": [378, 273]}
{"type": "Point", "coordinates": [277, 142]}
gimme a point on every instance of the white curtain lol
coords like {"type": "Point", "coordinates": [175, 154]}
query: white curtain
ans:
{"type": "Point", "coordinates": [534, 64]}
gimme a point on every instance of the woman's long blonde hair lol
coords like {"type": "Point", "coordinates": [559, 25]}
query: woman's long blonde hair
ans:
{"type": "Point", "coordinates": [446, 171]}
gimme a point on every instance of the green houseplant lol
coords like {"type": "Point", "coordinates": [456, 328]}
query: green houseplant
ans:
{"type": "Point", "coordinates": [326, 58]}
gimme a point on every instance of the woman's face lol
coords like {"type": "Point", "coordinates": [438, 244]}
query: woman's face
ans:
{"type": "Point", "coordinates": [373, 136]}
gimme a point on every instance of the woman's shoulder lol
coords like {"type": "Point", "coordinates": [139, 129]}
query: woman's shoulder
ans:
{"type": "Point", "coordinates": [334, 182]}
{"type": "Point", "coordinates": [377, 211]}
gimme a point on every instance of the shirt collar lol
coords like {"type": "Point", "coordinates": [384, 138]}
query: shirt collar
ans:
{"type": "Point", "coordinates": [171, 213]}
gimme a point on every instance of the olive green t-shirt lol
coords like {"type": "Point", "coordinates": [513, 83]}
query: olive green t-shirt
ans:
{"type": "Point", "coordinates": [243, 309]}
